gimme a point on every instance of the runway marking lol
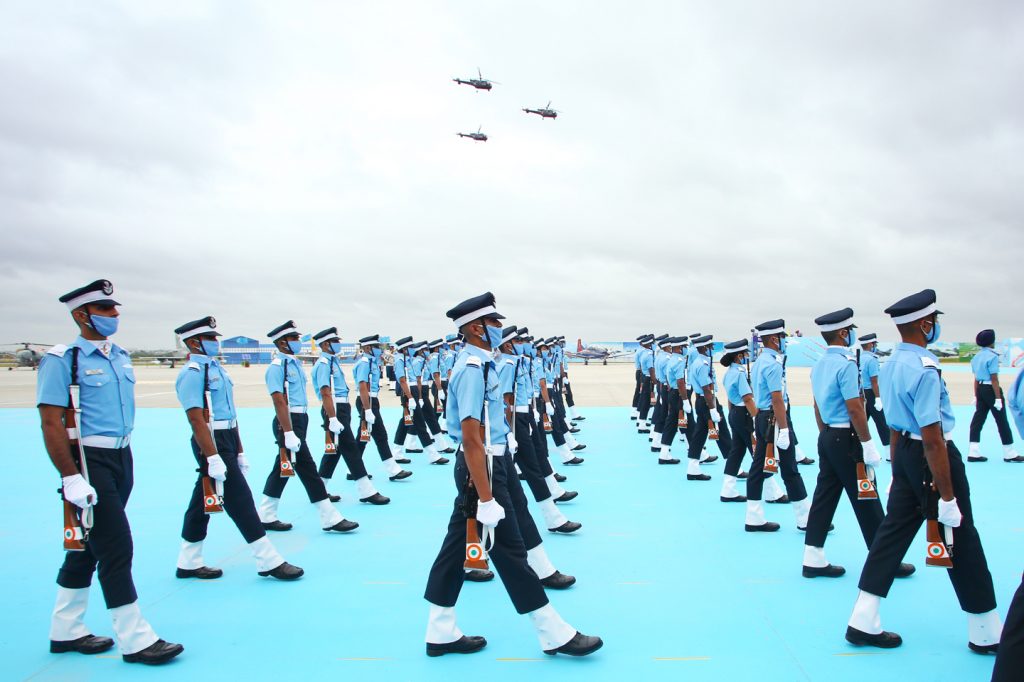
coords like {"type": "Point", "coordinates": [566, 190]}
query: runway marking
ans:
{"type": "Point", "coordinates": [763, 581]}
{"type": "Point", "coordinates": [682, 658]}
{"type": "Point", "coordinates": [866, 653]}
{"type": "Point", "coordinates": [383, 582]}
{"type": "Point", "coordinates": [519, 660]}
{"type": "Point", "coordinates": [635, 582]}
{"type": "Point", "coordinates": [620, 535]}
{"type": "Point", "coordinates": [364, 659]}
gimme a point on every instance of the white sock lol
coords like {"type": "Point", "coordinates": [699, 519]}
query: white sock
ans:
{"type": "Point", "coordinates": [692, 467]}
{"type": "Point", "coordinates": [772, 489]}
{"type": "Point", "coordinates": [554, 486]}
{"type": "Point", "coordinates": [329, 514]}
{"type": "Point", "coordinates": [802, 510]}
{"type": "Point", "coordinates": [268, 509]}
{"type": "Point", "coordinates": [266, 555]}
{"type": "Point", "coordinates": [191, 555]}
{"type": "Point", "coordinates": [132, 631]}
{"type": "Point", "coordinates": [1008, 453]}
{"type": "Point", "coordinates": [755, 513]}
{"type": "Point", "coordinates": [865, 616]}
{"type": "Point", "coordinates": [729, 487]}
{"type": "Point", "coordinates": [552, 631]}
{"type": "Point", "coordinates": [539, 562]}
{"type": "Point", "coordinates": [391, 466]}
{"type": "Point", "coordinates": [564, 451]}
{"type": "Point", "coordinates": [984, 628]}
{"type": "Point", "coordinates": [552, 517]}
{"type": "Point", "coordinates": [814, 557]}
{"type": "Point", "coordinates": [432, 454]}
{"type": "Point", "coordinates": [570, 441]}
{"type": "Point", "coordinates": [441, 625]}
{"type": "Point", "coordinates": [666, 452]}
{"type": "Point", "coordinates": [66, 622]}
{"type": "Point", "coordinates": [364, 488]}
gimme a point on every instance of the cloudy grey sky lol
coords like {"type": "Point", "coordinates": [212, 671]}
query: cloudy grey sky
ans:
{"type": "Point", "coordinates": [717, 163]}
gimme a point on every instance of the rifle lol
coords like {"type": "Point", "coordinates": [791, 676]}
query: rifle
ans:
{"type": "Point", "coordinates": [329, 447]}
{"type": "Point", "coordinates": [940, 550]}
{"type": "Point", "coordinates": [865, 486]}
{"type": "Point", "coordinates": [284, 455]}
{"type": "Point", "coordinates": [476, 547]}
{"type": "Point", "coordinates": [213, 490]}
{"type": "Point", "coordinates": [364, 427]}
{"type": "Point", "coordinates": [712, 427]}
{"type": "Point", "coordinates": [750, 362]}
{"type": "Point", "coordinates": [77, 523]}
{"type": "Point", "coordinates": [771, 463]}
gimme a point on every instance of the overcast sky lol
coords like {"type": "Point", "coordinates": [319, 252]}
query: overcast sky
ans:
{"type": "Point", "coordinates": [716, 164]}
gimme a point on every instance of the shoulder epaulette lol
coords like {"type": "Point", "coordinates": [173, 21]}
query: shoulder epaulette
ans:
{"type": "Point", "coordinates": [321, 361]}
{"type": "Point", "coordinates": [193, 365]}
{"type": "Point", "coordinates": [276, 361]}
{"type": "Point", "coordinates": [362, 359]}
{"type": "Point", "coordinates": [509, 361]}
{"type": "Point", "coordinates": [473, 361]}
{"type": "Point", "coordinates": [59, 350]}
{"type": "Point", "coordinates": [928, 362]}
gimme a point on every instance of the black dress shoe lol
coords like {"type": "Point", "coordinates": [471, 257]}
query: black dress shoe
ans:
{"type": "Point", "coordinates": [643, 430]}
{"type": "Point", "coordinates": [404, 473]}
{"type": "Point", "coordinates": [738, 498]}
{"type": "Point", "coordinates": [279, 526]}
{"type": "Point", "coordinates": [350, 477]}
{"type": "Point", "coordinates": [332, 497]}
{"type": "Point", "coordinates": [403, 460]}
{"type": "Point", "coordinates": [567, 496]}
{"type": "Point", "coordinates": [803, 529]}
{"type": "Point", "coordinates": [742, 474]}
{"type": "Point", "coordinates": [578, 447]}
{"type": "Point", "coordinates": [984, 649]}
{"type": "Point", "coordinates": [560, 478]}
{"type": "Point", "coordinates": [905, 570]}
{"type": "Point", "coordinates": [698, 477]}
{"type": "Point", "coordinates": [448, 451]}
{"type": "Point", "coordinates": [558, 581]}
{"type": "Point", "coordinates": [567, 527]}
{"type": "Point", "coordinates": [883, 640]}
{"type": "Point", "coordinates": [805, 460]}
{"type": "Point", "coordinates": [284, 572]}
{"type": "Point", "coordinates": [203, 573]}
{"type": "Point", "coordinates": [463, 645]}
{"type": "Point", "coordinates": [574, 429]}
{"type": "Point", "coordinates": [579, 645]}
{"type": "Point", "coordinates": [157, 653]}
{"type": "Point", "coordinates": [766, 527]}
{"type": "Point", "coordinates": [478, 575]}
{"type": "Point", "coordinates": [414, 451]}
{"type": "Point", "coordinates": [709, 460]}
{"type": "Point", "coordinates": [440, 460]}
{"type": "Point", "coordinates": [87, 644]}
{"type": "Point", "coordinates": [580, 418]}
{"type": "Point", "coordinates": [671, 460]}
{"type": "Point", "coordinates": [655, 448]}
{"type": "Point", "coordinates": [829, 571]}
{"type": "Point", "coordinates": [779, 500]}
{"type": "Point", "coordinates": [343, 526]}
{"type": "Point", "coordinates": [1014, 460]}
{"type": "Point", "coordinates": [979, 458]}
{"type": "Point", "coordinates": [576, 460]}
{"type": "Point", "coordinates": [375, 498]}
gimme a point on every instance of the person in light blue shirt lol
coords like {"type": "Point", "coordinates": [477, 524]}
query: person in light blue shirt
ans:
{"type": "Point", "coordinates": [206, 393]}
{"type": "Point", "coordinates": [366, 377]}
{"type": "Point", "coordinates": [741, 415]}
{"type": "Point", "coordinates": [286, 383]}
{"type": "Point", "coordinates": [646, 359]}
{"type": "Point", "coordinates": [488, 492]}
{"type": "Point", "coordinates": [988, 397]}
{"type": "Point", "coordinates": [638, 375]}
{"type": "Point", "coordinates": [92, 451]}
{"type": "Point", "coordinates": [1016, 402]}
{"type": "Point", "coordinates": [707, 410]}
{"type": "Point", "coordinates": [869, 385]}
{"type": "Point", "coordinates": [430, 377]}
{"type": "Point", "coordinates": [844, 443]}
{"type": "Point", "coordinates": [328, 379]}
{"type": "Point", "coordinates": [675, 382]}
{"type": "Point", "coordinates": [661, 357]}
{"type": "Point", "coordinates": [929, 475]}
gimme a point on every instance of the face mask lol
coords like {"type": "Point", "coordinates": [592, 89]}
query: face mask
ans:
{"type": "Point", "coordinates": [493, 336]}
{"type": "Point", "coordinates": [294, 346]}
{"type": "Point", "coordinates": [335, 348]}
{"type": "Point", "coordinates": [375, 353]}
{"type": "Point", "coordinates": [517, 348]}
{"type": "Point", "coordinates": [104, 326]}
{"type": "Point", "coordinates": [933, 337]}
{"type": "Point", "coordinates": [851, 339]}
{"type": "Point", "coordinates": [782, 344]}
{"type": "Point", "coordinates": [210, 348]}
{"type": "Point", "coordinates": [743, 361]}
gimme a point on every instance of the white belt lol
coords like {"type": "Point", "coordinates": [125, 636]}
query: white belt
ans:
{"type": "Point", "coordinates": [987, 383]}
{"type": "Point", "coordinates": [108, 442]}
{"type": "Point", "coordinates": [427, 384]}
{"type": "Point", "coordinates": [523, 409]}
{"type": "Point", "coordinates": [297, 409]}
{"type": "Point", "coordinates": [219, 424]}
{"type": "Point", "coordinates": [947, 436]}
{"type": "Point", "coordinates": [341, 399]}
{"type": "Point", "coordinates": [373, 394]}
{"type": "Point", "coordinates": [840, 425]}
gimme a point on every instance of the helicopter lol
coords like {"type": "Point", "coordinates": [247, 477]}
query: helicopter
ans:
{"type": "Point", "coordinates": [544, 112]}
{"type": "Point", "coordinates": [476, 137]}
{"type": "Point", "coordinates": [480, 83]}
{"type": "Point", "coordinates": [27, 356]}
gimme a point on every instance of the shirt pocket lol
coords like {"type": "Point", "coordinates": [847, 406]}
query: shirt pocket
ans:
{"type": "Point", "coordinates": [95, 380]}
{"type": "Point", "coordinates": [129, 373]}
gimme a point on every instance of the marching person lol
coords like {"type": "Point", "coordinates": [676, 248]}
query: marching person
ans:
{"type": "Point", "coordinates": [742, 412]}
{"type": "Point", "coordinates": [546, 403]}
{"type": "Point", "coordinates": [286, 383]}
{"type": "Point", "coordinates": [485, 478]}
{"type": "Point", "coordinates": [844, 443]}
{"type": "Point", "coordinates": [645, 358]}
{"type": "Point", "coordinates": [534, 364]}
{"type": "Point", "coordinates": [366, 376]}
{"type": "Point", "coordinates": [408, 372]}
{"type": "Point", "coordinates": [675, 398]}
{"type": "Point", "coordinates": [707, 411]}
{"type": "Point", "coordinates": [430, 380]}
{"type": "Point", "coordinates": [662, 354]}
{"type": "Point", "coordinates": [93, 379]}
{"type": "Point", "coordinates": [772, 426]}
{"type": "Point", "coordinates": [217, 448]}
{"type": "Point", "coordinates": [1010, 659]}
{"type": "Point", "coordinates": [560, 421]}
{"type": "Point", "coordinates": [329, 382]}
{"type": "Point", "coordinates": [928, 474]}
{"type": "Point", "coordinates": [570, 403]}
{"type": "Point", "coordinates": [869, 385]}
{"type": "Point", "coordinates": [988, 397]}
{"type": "Point", "coordinates": [638, 375]}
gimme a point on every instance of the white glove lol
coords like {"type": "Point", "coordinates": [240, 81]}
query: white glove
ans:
{"type": "Point", "coordinates": [442, 395]}
{"type": "Point", "coordinates": [715, 417]}
{"type": "Point", "coordinates": [949, 513]}
{"type": "Point", "coordinates": [782, 439]}
{"type": "Point", "coordinates": [215, 468]}
{"type": "Point", "coordinates": [550, 409]}
{"type": "Point", "coordinates": [370, 419]}
{"type": "Point", "coordinates": [78, 492]}
{"type": "Point", "coordinates": [566, 381]}
{"type": "Point", "coordinates": [243, 463]}
{"type": "Point", "coordinates": [871, 456]}
{"type": "Point", "coordinates": [878, 404]}
{"type": "Point", "coordinates": [686, 407]}
{"type": "Point", "coordinates": [419, 403]}
{"type": "Point", "coordinates": [998, 404]}
{"type": "Point", "coordinates": [513, 444]}
{"type": "Point", "coordinates": [536, 414]}
{"type": "Point", "coordinates": [335, 426]}
{"type": "Point", "coordinates": [489, 513]}
{"type": "Point", "coordinates": [291, 441]}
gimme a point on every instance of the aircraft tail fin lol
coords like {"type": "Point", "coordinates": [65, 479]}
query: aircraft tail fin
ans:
{"type": "Point", "coordinates": [579, 345]}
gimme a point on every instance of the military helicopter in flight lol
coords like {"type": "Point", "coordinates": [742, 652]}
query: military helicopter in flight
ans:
{"type": "Point", "coordinates": [480, 83]}
{"type": "Point", "coordinates": [544, 112]}
{"type": "Point", "coordinates": [476, 137]}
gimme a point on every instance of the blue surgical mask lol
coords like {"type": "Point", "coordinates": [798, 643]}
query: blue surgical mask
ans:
{"type": "Point", "coordinates": [936, 332]}
{"type": "Point", "coordinates": [851, 339]}
{"type": "Point", "coordinates": [104, 326]}
{"type": "Point", "coordinates": [210, 347]}
{"type": "Point", "coordinates": [376, 353]}
{"type": "Point", "coordinates": [782, 344]}
{"type": "Point", "coordinates": [493, 336]}
{"type": "Point", "coordinates": [744, 361]}
{"type": "Point", "coordinates": [294, 346]}
{"type": "Point", "coordinates": [335, 348]}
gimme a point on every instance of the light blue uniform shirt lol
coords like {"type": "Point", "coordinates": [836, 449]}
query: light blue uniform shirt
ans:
{"type": "Point", "coordinates": [433, 367]}
{"type": "Point", "coordinates": [636, 358]}
{"type": "Point", "coordinates": [736, 383]}
{"type": "Point", "coordinates": [324, 369]}
{"type": "Point", "coordinates": [524, 384]}
{"type": "Point", "coordinates": [699, 373]}
{"type": "Point", "coordinates": [466, 393]}
{"type": "Point", "coordinates": [296, 379]}
{"type": "Point", "coordinates": [985, 364]}
{"type": "Point", "coordinates": [675, 369]}
{"type": "Point", "coordinates": [1015, 402]}
{"type": "Point", "coordinates": [416, 365]}
{"type": "Point", "coordinates": [868, 369]}
{"type": "Point", "coordinates": [549, 370]}
{"type": "Point", "coordinates": [107, 392]}
{"type": "Point", "coordinates": [659, 366]}
{"type": "Point", "coordinates": [447, 363]}
{"type": "Point", "coordinates": [768, 377]}
{"type": "Point", "coordinates": [507, 378]}
{"type": "Point", "coordinates": [367, 371]}
{"type": "Point", "coordinates": [913, 390]}
{"type": "Point", "coordinates": [536, 374]}
{"type": "Point", "coordinates": [833, 382]}
{"type": "Point", "coordinates": [646, 360]}
{"type": "Point", "coordinates": [189, 387]}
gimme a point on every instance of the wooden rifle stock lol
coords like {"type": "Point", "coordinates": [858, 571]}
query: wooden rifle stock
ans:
{"type": "Point", "coordinates": [771, 462]}
{"type": "Point", "coordinates": [284, 457]}
{"type": "Point", "coordinates": [407, 413]}
{"type": "Point", "coordinates": [212, 500]}
{"type": "Point", "coordinates": [940, 553]}
{"type": "Point", "coordinates": [865, 487]}
{"type": "Point", "coordinates": [681, 423]}
{"type": "Point", "coordinates": [476, 557]}
{"type": "Point", "coordinates": [74, 536]}
{"type": "Point", "coordinates": [364, 431]}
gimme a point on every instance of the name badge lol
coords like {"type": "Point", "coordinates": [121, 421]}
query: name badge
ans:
{"type": "Point", "coordinates": [91, 372]}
